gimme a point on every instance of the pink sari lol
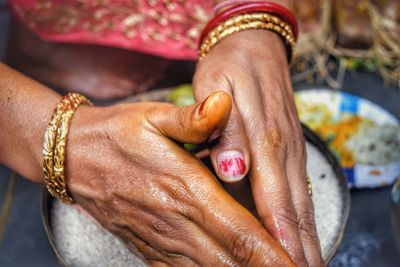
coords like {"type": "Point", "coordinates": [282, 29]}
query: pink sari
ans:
{"type": "Point", "coordinates": [165, 28]}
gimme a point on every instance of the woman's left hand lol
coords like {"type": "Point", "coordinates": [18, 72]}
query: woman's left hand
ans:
{"type": "Point", "coordinates": [263, 136]}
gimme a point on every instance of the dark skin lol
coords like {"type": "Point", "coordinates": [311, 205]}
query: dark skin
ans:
{"type": "Point", "coordinates": [161, 200]}
{"type": "Point", "coordinates": [264, 127]}
{"type": "Point", "coordinates": [264, 130]}
{"type": "Point", "coordinates": [255, 116]}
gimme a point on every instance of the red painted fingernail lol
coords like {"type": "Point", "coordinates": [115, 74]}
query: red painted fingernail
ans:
{"type": "Point", "coordinates": [231, 165]}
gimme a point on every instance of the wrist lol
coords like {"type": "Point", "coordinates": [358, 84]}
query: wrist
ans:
{"type": "Point", "coordinates": [91, 152]}
{"type": "Point", "coordinates": [255, 45]}
{"type": "Point", "coordinates": [249, 15]}
{"type": "Point", "coordinates": [83, 134]}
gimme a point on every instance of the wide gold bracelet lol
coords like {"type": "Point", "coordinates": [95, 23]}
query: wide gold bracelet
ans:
{"type": "Point", "coordinates": [245, 22]}
{"type": "Point", "coordinates": [50, 138]}
{"type": "Point", "coordinates": [54, 146]}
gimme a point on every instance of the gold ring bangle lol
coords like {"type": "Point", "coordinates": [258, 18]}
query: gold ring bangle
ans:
{"type": "Point", "coordinates": [309, 185]}
{"type": "Point", "coordinates": [249, 21]}
{"type": "Point", "coordinates": [209, 43]}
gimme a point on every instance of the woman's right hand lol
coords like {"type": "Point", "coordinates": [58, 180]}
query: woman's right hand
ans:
{"type": "Point", "coordinates": [126, 168]}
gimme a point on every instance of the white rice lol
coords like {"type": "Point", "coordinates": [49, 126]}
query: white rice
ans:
{"type": "Point", "coordinates": [327, 198]}
{"type": "Point", "coordinates": [376, 144]}
{"type": "Point", "coordinates": [83, 243]}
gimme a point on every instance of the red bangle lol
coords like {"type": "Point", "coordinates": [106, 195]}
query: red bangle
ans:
{"type": "Point", "coordinates": [228, 3]}
{"type": "Point", "coordinates": [275, 9]}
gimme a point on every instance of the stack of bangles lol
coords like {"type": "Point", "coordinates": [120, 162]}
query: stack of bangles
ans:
{"type": "Point", "coordinates": [55, 145]}
{"type": "Point", "coordinates": [246, 15]}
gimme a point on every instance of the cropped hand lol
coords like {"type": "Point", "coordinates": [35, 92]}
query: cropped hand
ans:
{"type": "Point", "coordinates": [126, 167]}
{"type": "Point", "coordinates": [263, 136]}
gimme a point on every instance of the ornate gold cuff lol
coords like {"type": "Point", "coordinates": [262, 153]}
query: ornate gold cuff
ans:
{"type": "Point", "coordinates": [54, 145]}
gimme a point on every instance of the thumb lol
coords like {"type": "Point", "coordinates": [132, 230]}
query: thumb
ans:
{"type": "Point", "coordinates": [230, 154]}
{"type": "Point", "coordinates": [196, 123]}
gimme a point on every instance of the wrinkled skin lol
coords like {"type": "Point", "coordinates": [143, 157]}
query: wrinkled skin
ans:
{"type": "Point", "coordinates": [124, 170]}
{"type": "Point", "coordinates": [264, 127]}
{"type": "Point", "coordinates": [154, 195]}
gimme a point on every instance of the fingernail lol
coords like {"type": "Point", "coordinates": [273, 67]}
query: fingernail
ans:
{"type": "Point", "coordinates": [231, 165]}
{"type": "Point", "coordinates": [202, 106]}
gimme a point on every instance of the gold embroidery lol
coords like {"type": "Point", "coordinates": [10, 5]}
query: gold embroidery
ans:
{"type": "Point", "coordinates": [97, 17]}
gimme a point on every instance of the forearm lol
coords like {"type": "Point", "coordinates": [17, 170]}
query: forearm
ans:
{"type": "Point", "coordinates": [26, 107]}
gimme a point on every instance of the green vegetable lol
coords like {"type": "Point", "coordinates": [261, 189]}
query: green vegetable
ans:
{"type": "Point", "coordinates": [182, 95]}
{"type": "Point", "coordinates": [191, 147]}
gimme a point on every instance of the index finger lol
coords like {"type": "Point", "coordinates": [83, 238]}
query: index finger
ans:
{"type": "Point", "coordinates": [234, 227]}
{"type": "Point", "coordinates": [272, 193]}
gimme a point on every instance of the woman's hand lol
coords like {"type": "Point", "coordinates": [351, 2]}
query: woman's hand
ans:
{"type": "Point", "coordinates": [263, 136]}
{"type": "Point", "coordinates": [124, 169]}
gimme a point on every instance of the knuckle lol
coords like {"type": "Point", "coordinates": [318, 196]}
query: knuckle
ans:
{"type": "Point", "coordinates": [184, 197]}
{"type": "Point", "coordinates": [233, 130]}
{"type": "Point", "coordinates": [274, 137]}
{"type": "Point", "coordinates": [244, 248]}
{"type": "Point", "coordinates": [168, 235]}
{"type": "Point", "coordinates": [307, 225]}
{"type": "Point", "coordinates": [173, 190]}
{"type": "Point", "coordinates": [296, 145]}
{"type": "Point", "coordinates": [270, 139]}
{"type": "Point", "coordinates": [277, 261]}
{"type": "Point", "coordinates": [163, 228]}
{"type": "Point", "coordinates": [286, 215]}
{"type": "Point", "coordinates": [175, 200]}
{"type": "Point", "coordinates": [186, 204]}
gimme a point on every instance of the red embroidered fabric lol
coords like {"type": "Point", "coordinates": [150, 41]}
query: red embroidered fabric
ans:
{"type": "Point", "coordinates": [166, 28]}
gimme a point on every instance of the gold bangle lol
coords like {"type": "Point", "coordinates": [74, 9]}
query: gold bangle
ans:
{"type": "Point", "coordinates": [54, 147]}
{"type": "Point", "coordinates": [50, 138]}
{"type": "Point", "coordinates": [210, 43]}
{"type": "Point", "coordinates": [245, 18]}
{"type": "Point", "coordinates": [245, 22]}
